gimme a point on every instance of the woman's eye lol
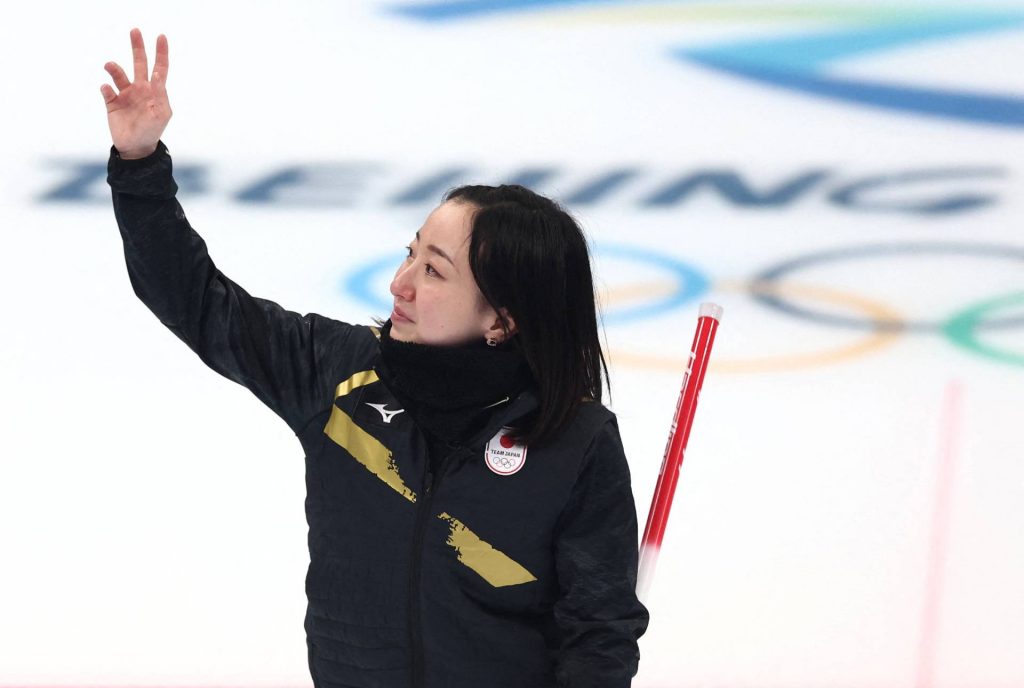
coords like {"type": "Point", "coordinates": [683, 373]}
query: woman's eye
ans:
{"type": "Point", "coordinates": [408, 251]}
{"type": "Point", "coordinates": [431, 271]}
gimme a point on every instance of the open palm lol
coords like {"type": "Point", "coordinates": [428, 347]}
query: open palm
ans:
{"type": "Point", "coordinates": [139, 110]}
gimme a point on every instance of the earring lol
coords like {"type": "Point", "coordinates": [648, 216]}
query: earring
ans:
{"type": "Point", "coordinates": [491, 341]}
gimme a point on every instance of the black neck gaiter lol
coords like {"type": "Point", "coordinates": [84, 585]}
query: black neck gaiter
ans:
{"type": "Point", "coordinates": [449, 390]}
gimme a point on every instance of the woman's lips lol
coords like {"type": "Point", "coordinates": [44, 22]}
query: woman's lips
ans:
{"type": "Point", "coordinates": [398, 315]}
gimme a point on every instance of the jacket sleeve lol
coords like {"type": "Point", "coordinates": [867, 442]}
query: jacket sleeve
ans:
{"type": "Point", "coordinates": [598, 613]}
{"type": "Point", "coordinates": [254, 342]}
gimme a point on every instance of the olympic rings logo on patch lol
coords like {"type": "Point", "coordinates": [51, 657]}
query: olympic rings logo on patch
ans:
{"type": "Point", "coordinates": [677, 284]}
{"type": "Point", "coordinates": [503, 455]}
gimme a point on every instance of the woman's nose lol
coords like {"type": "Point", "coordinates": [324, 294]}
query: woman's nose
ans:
{"type": "Point", "coordinates": [401, 285]}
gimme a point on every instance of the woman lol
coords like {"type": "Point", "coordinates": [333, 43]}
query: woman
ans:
{"type": "Point", "coordinates": [471, 521]}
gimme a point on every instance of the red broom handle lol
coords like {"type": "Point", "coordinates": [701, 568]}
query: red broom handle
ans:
{"type": "Point", "coordinates": [707, 324]}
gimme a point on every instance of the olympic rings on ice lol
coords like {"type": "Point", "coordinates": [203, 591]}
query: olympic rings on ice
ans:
{"type": "Point", "coordinates": [678, 283]}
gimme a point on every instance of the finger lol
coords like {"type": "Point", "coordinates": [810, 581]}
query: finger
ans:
{"type": "Point", "coordinates": [108, 94]}
{"type": "Point", "coordinates": [118, 75]}
{"type": "Point", "coordinates": [160, 67]}
{"type": "Point", "coordinates": [139, 56]}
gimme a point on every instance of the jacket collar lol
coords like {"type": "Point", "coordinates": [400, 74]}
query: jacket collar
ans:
{"type": "Point", "coordinates": [520, 407]}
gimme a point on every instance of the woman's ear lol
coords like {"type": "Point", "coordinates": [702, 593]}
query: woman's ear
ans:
{"type": "Point", "coordinates": [501, 322]}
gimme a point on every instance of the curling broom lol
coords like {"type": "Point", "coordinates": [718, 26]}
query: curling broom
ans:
{"type": "Point", "coordinates": [707, 324]}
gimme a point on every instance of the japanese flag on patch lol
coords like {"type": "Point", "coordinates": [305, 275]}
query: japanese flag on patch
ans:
{"type": "Point", "coordinates": [503, 455]}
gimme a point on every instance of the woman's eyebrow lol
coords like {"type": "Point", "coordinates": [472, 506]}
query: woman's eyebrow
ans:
{"type": "Point", "coordinates": [434, 249]}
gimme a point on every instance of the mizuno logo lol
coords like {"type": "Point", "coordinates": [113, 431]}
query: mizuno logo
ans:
{"type": "Point", "coordinates": [384, 413]}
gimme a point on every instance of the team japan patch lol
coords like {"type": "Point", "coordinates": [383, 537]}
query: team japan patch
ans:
{"type": "Point", "coordinates": [503, 454]}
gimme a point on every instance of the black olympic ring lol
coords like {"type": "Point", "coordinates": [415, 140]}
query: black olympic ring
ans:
{"type": "Point", "coordinates": [774, 274]}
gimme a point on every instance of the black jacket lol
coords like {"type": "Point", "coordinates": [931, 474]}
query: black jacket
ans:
{"type": "Point", "coordinates": [463, 578]}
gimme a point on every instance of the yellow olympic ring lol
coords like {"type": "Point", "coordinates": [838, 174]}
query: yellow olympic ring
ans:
{"type": "Point", "coordinates": [873, 341]}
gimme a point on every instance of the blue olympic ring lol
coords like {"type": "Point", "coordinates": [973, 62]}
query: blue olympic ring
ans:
{"type": "Point", "coordinates": [357, 284]}
{"type": "Point", "coordinates": [690, 282]}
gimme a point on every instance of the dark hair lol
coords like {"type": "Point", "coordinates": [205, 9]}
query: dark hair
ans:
{"type": "Point", "coordinates": [529, 256]}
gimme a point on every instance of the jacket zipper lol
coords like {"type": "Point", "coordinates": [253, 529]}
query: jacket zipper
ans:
{"type": "Point", "coordinates": [422, 514]}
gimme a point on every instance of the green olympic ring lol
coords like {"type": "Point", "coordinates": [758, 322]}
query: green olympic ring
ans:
{"type": "Point", "coordinates": [961, 329]}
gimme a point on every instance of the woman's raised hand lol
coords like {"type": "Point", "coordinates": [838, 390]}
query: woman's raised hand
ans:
{"type": "Point", "coordinates": [139, 111]}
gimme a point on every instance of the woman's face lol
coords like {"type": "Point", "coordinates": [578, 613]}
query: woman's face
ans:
{"type": "Point", "coordinates": [437, 301]}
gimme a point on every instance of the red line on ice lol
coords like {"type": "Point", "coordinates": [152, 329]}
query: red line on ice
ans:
{"type": "Point", "coordinates": [939, 543]}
